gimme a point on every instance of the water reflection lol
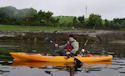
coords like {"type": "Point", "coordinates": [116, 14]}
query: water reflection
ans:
{"type": "Point", "coordinates": [2, 71]}
{"type": "Point", "coordinates": [118, 41]}
{"type": "Point", "coordinates": [9, 68]}
{"type": "Point", "coordinates": [69, 67]}
{"type": "Point", "coordinates": [60, 64]}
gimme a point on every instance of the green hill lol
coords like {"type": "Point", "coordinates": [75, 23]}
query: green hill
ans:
{"type": "Point", "coordinates": [64, 19]}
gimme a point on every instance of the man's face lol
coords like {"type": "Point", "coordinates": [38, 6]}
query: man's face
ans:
{"type": "Point", "coordinates": [71, 38]}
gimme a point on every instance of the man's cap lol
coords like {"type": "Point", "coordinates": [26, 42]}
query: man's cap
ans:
{"type": "Point", "coordinates": [71, 35]}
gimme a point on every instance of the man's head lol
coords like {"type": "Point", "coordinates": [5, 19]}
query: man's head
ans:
{"type": "Point", "coordinates": [71, 37]}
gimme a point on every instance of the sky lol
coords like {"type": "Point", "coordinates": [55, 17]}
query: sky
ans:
{"type": "Point", "coordinates": [108, 9]}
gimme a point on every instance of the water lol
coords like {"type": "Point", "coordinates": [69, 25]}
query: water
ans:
{"type": "Point", "coordinates": [10, 68]}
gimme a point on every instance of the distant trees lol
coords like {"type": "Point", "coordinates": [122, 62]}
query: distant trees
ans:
{"type": "Point", "coordinates": [116, 23]}
{"type": "Point", "coordinates": [32, 17]}
{"type": "Point", "coordinates": [75, 22]}
{"type": "Point", "coordinates": [94, 21]}
{"type": "Point", "coordinates": [107, 23]}
{"type": "Point", "coordinates": [119, 21]}
{"type": "Point", "coordinates": [81, 21]}
{"type": "Point", "coordinates": [27, 17]}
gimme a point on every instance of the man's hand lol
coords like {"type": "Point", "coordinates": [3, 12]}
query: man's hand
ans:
{"type": "Point", "coordinates": [56, 45]}
{"type": "Point", "coordinates": [67, 53]}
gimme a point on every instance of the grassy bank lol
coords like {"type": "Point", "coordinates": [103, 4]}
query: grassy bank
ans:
{"type": "Point", "coordinates": [27, 28]}
{"type": "Point", "coordinates": [67, 19]}
{"type": "Point", "coordinates": [64, 19]}
{"type": "Point", "coordinates": [41, 28]}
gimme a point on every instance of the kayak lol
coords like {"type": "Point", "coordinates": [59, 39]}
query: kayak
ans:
{"type": "Point", "coordinates": [56, 64]}
{"type": "Point", "coordinates": [38, 57]}
{"type": "Point", "coordinates": [20, 56]}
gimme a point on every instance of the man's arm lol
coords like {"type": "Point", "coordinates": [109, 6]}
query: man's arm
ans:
{"type": "Point", "coordinates": [62, 46]}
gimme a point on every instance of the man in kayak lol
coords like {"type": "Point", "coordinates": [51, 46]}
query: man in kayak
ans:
{"type": "Point", "coordinates": [71, 47]}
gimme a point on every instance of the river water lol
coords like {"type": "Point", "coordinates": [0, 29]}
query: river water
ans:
{"type": "Point", "coordinates": [10, 68]}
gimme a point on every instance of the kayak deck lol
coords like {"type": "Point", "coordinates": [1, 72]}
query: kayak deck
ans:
{"type": "Point", "coordinates": [38, 57]}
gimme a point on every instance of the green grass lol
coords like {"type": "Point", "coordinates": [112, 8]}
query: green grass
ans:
{"type": "Point", "coordinates": [27, 28]}
{"type": "Point", "coordinates": [65, 19]}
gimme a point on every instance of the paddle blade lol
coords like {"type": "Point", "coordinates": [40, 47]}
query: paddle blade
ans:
{"type": "Point", "coordinates": [78, 63]}
{"type": "Point", "coordinates": [48, 40]}
{"type": "Point", "coordinates": [48, 72]}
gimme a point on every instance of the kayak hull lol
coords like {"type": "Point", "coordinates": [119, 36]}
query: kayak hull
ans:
{"type": "Point", "coordinates": [38, 57]}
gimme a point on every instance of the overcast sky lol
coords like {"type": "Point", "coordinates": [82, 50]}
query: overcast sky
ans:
{"type": "Point", "coordinates": [108, 9]}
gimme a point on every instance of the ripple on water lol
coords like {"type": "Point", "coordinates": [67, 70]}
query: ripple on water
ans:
{"type": "Point", "coordinates": [118, 41]}
{"type": "Point", "coordinates": [8, 46]}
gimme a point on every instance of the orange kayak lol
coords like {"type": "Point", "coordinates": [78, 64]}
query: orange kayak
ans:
{"type": "Point", "coordinates": [38, 57]}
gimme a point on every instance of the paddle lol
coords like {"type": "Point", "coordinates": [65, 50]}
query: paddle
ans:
{"type": "Point", "coordinates": [49, 72]}
{"type": "Point", "coordinates": [78, 62]}
{"type": "Point", "coordinates": [49, 40]}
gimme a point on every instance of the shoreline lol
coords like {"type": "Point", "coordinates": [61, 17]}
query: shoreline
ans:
{"type": "Point", "coordinates": [102, 35]}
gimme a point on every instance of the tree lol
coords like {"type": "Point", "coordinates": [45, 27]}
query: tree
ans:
{"type": "Point", "coordinates": [48, 15]}
{"type": "Point", "coordinates": [7, 14]}
{"type": "Point", "coordinates": [81, 19]}
{"type": "Point", "coordinates": [107, 23]}
{"type": "Point", "coordinates": [114, 25]}
{"type": "Point", "coordinates": [75, 22]}
{"type": "Point", "coordinates": [94, 21]}
{"type": "Point", "coordinates": [55, 21]}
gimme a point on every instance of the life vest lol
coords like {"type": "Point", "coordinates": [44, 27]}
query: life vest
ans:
{"type": "Point", "coordinates": [69, 47]}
